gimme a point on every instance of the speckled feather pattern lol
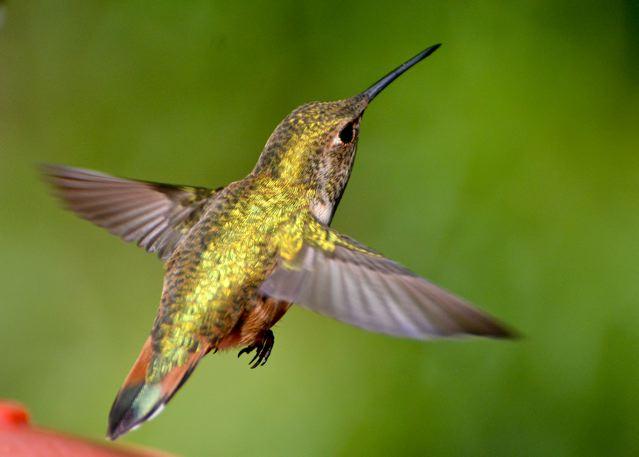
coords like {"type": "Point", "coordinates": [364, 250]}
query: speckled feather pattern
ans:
{"type": "Point", "coordinates": [214, 274]}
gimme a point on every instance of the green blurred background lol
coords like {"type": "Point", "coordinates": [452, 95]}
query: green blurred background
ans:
{"type": "Point", "coordinates": [505, 168]}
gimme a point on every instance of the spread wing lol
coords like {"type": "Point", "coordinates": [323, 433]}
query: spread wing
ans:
{"type": "Point", "coordinates": [343, 279]}
{"type": "Point", "coordinates": [152, 215]}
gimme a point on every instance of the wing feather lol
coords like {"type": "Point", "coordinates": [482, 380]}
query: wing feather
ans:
{"type": "Point", "coordinates": [356, 285]}
{"type": "Point", "coordinates": [152, 215]}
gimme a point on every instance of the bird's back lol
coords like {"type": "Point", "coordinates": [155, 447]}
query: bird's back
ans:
{"type": "Point", "coordinates": [215, 273]}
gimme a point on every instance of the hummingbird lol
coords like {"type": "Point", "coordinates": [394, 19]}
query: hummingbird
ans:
{"type": "Point", "coordinates": [237, 257]}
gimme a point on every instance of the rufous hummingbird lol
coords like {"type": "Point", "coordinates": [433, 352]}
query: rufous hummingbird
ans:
{"type": "Point", "coordinates": [238, 256]}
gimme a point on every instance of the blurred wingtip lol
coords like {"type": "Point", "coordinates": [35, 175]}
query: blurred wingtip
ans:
{"type": "Point", "coordinates": [512, 334]}
{"type": "Point", "coordinates": [500, 331]}
{"type": "Point", "coordinates": [45, 169]}
{"type": "Point", "coordinates": [478, 323]}
{"type": "Point", "coordinates": [48, 171]}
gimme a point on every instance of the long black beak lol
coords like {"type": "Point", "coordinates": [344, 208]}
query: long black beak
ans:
{"type": "Point", "coordinates": [380, 85]}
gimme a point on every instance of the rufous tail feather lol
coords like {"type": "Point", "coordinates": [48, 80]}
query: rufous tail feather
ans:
{"type": "Point", "coordinates": [139, 400]}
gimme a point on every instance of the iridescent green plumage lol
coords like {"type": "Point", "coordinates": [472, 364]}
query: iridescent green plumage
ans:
{"type": "Point", "coordinates": [238, 257]}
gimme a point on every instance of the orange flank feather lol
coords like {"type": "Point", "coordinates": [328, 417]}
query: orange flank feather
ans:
{"type": "Point", "coordinates": [251, 327]}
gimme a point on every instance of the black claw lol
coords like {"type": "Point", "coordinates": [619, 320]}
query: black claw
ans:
{"type": "Point", "coordinates": [246, 350]}
{"type": "Point", "coordinates": [255, 357]}
{"type": "Point", "coordinates": [262, 350]}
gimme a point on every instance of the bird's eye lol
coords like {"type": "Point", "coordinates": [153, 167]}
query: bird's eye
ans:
{"type": "Point", "coordinates": [346, 135]}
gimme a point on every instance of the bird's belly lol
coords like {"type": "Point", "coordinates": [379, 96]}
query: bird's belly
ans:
{"type": "Point", "coordinates": [260, 316]}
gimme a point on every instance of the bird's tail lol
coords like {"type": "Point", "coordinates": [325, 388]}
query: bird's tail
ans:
{"type": "Point", "coordinates": [139, 399]}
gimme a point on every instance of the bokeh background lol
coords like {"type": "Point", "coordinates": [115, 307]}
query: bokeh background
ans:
{"type": "Point", "coordinates": [505, 168]}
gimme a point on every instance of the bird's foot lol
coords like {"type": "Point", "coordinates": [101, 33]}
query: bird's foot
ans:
{"type": "Point", "coordinates": [262, 349]}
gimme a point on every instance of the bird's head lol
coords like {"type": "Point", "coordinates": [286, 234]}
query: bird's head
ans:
{"type": "Point", "coordinates": [315, 145]}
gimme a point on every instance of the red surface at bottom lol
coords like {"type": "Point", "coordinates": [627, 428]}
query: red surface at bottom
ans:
{"type": "Point", "coordinates": [19, 439]}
